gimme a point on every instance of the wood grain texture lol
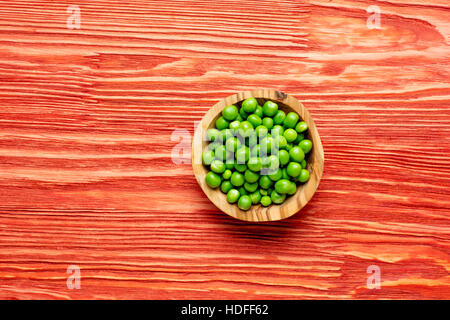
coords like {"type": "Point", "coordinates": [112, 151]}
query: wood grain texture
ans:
{"type": "Point", "coordinates": [86, 175]}
{"type": "Point", "coordinates": [259, 213]}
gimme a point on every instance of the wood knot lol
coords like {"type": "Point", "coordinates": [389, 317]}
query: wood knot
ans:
{"type": "Point", "coordinates": [280, 95]}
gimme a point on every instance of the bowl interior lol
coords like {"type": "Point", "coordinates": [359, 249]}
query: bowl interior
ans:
{"type": "Point", "coordinates": [314, 159]}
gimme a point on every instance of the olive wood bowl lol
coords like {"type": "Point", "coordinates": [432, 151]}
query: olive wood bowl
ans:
{"type": "Point", "coordinates": [258, 213]}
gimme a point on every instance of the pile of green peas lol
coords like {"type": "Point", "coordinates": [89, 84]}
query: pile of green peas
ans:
{"type": "Point", "coordinates": [257, 154]}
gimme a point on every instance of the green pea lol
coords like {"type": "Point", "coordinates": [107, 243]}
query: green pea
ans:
{"type": "Point", "coordinates": [254, 120]}
{"type": "Point", "coordinates": [294, 169]}
{"type": "Point", "coordinates": [263, 192]}
{"type": "Point", "coordinates": [217, 166]}
{"type": "Point", "coordinates": [249, 105]}
{"type": "Point", "coordinates": [291, 120]}
{"type": "Point", "coordinates": [276, 175]}
{"type": "Point", "coordinates": [306, 145]}
{"type": "Point", "coordinates": [237, 179]}
{"type": "Point", "coordinates": [222, 123]}
{"type": "Point", "coordinates": [255, 151]}
{"type": "Point", "coordinates": [296, 154]}
{"type": "Point", "coordinates": [270, 108]}
{"type": "Point", "coordinates": [303, 163]}
{"type": "Point", "coordinates": [293, 189]}
{"type": "Point", "coordinates": [244, 203]}
{"type": "Point", "coordinates": [290, 135]}
{"type": "Point", "coordinates": [300, 137]}
{"type": "Point", "coordinates": [240, 167]}
{"type": "Point", "coordinates": [242, 155]}
{"type": "Point", "coordinates": [301, 127]}
{"type": "Point", "coordinates": [283, 156]}
{"type": "Point", "coordinates": [243, 114]}
{"type": "Point", "coordinates": [207, 157]}
{"type": "Point", "coordinates": [229, 165]}
{"type": "Point", "coordinates": [285, 174]}
{"type": "Point", "coordinates": [213, 179]}
{"type": "Point", "coordinates": [254, 164]}
{"type": "Point", "coordinates": [250, 187]}
{"type": "Point", "coordinates": [213, 134]}
{"type": "Point", "coordinates": [256, 197]}
{"type": "Point", "coordinates": [239, 118]}
{"type": "Point", "coordinates": [221, 153]}
{"type": "Point", "coordinates": [213, 145]}
{"type": "Point", "coordinates": [268, 123]}
{"type": "Point", "coordinates": [251, 176]}
{"type": "Point", "coordinates": [277, 130]}
{"type": "Point", "coordinates": [304, 176]}
{"type": "Point", "coordinates": [277, 198]}
{"type": "Point", "coordinates": [266, 201]}
{"type": "Point", "coordinates": [265, 182]}
{"type": "Point", "coordinates": [274, 163]}
{"type": "Point", "coordinates": [269, 191]}
{"type": "Point", "coordinates": [226, 174]}
{"type": "Point", "coordinates": [279, 117]}
{"type": "Point", "coordinates": [226, 134]}
{"type": "Point", "coordinates": [242, 191]}
{"type": "Point", "coordinates": [259, 111]}
{"type": "Point", "coordinates": [230, 113]}
{"type": "Point", "coordinates": [233, 196]}
{"type": "Point", "coordinates": [283, 186]}
{"type": "Point", "coordinates": [232, 144]}
{"type": "Point", "coordinates": [280, 142]}
{"type": "Point", "coordinates": [235, 125]}
{"type": "Point", "coordinates": [261, 131]}
{"type": "Point", "coordinates": [226, 186]}
{"type": "Point", "coordinates": [289, 146]}
{"type": "Point", "coordinates": [266, 145]}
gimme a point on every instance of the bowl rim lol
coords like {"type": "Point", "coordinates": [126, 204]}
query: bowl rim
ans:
{"type": "Point", "coordinates": [258, 213]}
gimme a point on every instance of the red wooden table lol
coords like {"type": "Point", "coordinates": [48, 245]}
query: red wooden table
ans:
{"type": "Point", "coordinates": [87, 177]}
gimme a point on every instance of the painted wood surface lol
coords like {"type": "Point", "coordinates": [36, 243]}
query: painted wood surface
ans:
{"type": "Point", "coordinates": [87, 177]}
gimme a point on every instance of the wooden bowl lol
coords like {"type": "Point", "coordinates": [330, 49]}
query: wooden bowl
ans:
{"type": "Point", "coordinates": [258, 213]}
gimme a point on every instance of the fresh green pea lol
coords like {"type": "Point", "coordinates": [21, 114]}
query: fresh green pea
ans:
{"type": "Point", "coordinates": [242, 191]}
{"type": "Point", "coordinates": [226, 134]}
{"type": "Point", "coordinates": [304, 176]}
{"type": "Point", "coordinates": [265, 182]}
{"type": "Point", "coordinates": [249, 105]}
{"type": "Point", "coordinates": [242, 155]}
{"type": "Point", "coordinates": [300, 137]}
{"type": "Point", "coordinates": [254, 164]}
{"type": "Point", "coordinates": [293, 189]}
{"type": "Point", "coordinates": [244, 203]}
{"type": "Point", "coordinates": [294, 169]}
{"type": "Point", "coordinates": [226, 186]}
{"type": "Point", "coordinates": [226, 174]}
{"type": "Point", "coordinates": [214, 145]}
{"type": "Point", "coordinates": [235, 125]}
{"type": "Point", "coordinates": [274, 163]}
{"type": "Point", "coordinates": [213, 179]}
{"type": "Point", "coordinates": [266, 144]}
{"type": "Point", "coordinates": [263, 192]}
{"type": "Point", "coordinates": [285, 174]}
{"type": "Point", "coordinates": [256, 197]}
{"type": "Point", "coordinates": [222, 123]}
{"type": "Point", "coordinates": [301, 127]}
{"type": "Point", "coordinates": [280, 142]}
{"type": "Point", "coordinates": [283, 155]}
{"type": "Point", "coordinates": [229, 165]}
{"type": "Point", "coordinates": [269, 191]}
{"type": "Point", "coordinates": [243, 114]}
{"type": "Point", "coordinates": [266, 201]}
{"type": "Point", "coordinates": [230, 113]}
{"type": "Point", "coordinates": [291, 120]}
{"type": "Point", "coordinates": [277, 130]}
{"type": "Point", "coordinates": [232, 144]}
{"type": "Point", "coordinates": [261, 131]}
{"type": "Point", "coordinates": [213, 134]}
{"type": "Point", "coordinates": [283, 186]}
{"type": "Point", "coordinates": [276, 175]}
{"type": "Point", "coordinates": [239, 118]}
{"type": "Point", "coordinates": [306, 145]}
{"type": "Point", "coordinates": [303, 163]}
{"type": "Point", "coordinates": [279, 117]}
{"type": "Point", "coordinates": [237, 179]}
{"type": "Point", "coordinates": [259, 111]}
{"type": "Point", "coordinates": [245, 128]}
{"type": "Point", "coordinates": [217, 166]}
{"type": "Point", "coordinates": [268, 123]}
{"type": "Point", "coordinates": [240, 167]}
{"type": "Point", "coordinates": [207, 157]}
{"type": "Point", "coordinates": [277, 198]}
{"type": "Point", "coordinates": [250, 187]}
{"type": "Point", "coordinates": [251, 176]}
{"type": "Point", "coordinates": [296, 154]}
{"type": "Point", "coordinates": [221, 153]}
{"type": "Point", "coordinates": [290, 135]}
{"type": "Point", "coordinates": [289, 146]}
{"type": "Point", "coordinates": [233, 195]}
{"type": "Point", "coordinates": [270, 108]}
{"type": "Point", "coordinates": [254, 120]}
